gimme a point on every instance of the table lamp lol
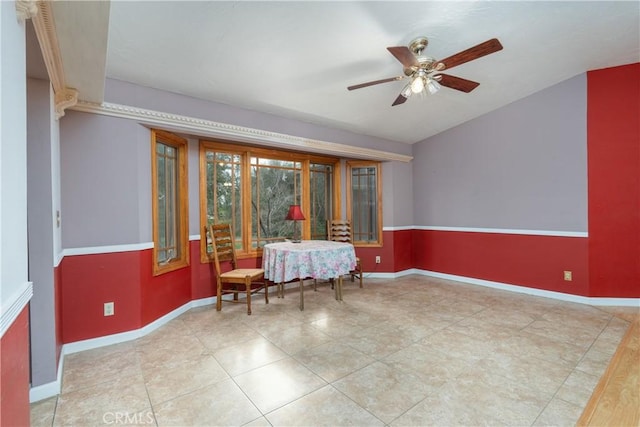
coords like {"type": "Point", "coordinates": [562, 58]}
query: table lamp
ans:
{"type": "Point", "coordinates": [295, 214]}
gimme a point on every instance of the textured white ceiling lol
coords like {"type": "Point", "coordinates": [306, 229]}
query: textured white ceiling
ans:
{"type": "Point", "coordinates": [295, 59]}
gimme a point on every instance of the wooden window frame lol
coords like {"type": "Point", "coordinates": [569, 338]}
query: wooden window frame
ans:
{"type": "Point", "coordinates": [182, 201]}
{"type": "Point", "coordinates": [246, 152]}
{"type": "Point", "coordinates": [351, 164]}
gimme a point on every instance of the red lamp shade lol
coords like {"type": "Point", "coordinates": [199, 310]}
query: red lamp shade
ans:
{"type": "Point", "coordinates": [295, 213]}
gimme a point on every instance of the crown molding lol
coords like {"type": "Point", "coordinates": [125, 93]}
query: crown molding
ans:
{"type": "Point", "coordinates": [26, 9]}
{"type": "Point", "coordinates": [65, 98]}
{"type": "Point", "coordinates": [45, 29]}
{"type": "Point", "coordinates": [210, 128]}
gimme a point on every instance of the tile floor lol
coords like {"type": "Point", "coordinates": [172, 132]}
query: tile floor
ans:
{"type": "Point", "coordinates": [413, 351]}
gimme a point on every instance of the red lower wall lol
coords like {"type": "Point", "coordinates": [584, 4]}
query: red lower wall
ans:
{"type": "Point", "coordinates": [524, 260]}
{"type": "Point", "coordinates": [126, 279]}
{"type": "Point", "coordinates": [14, 373]}
{"type": "Point", "coordinates": [613, 117]}
{"type": "Point", "coordinates": [88, 281]}
{"type": "Point", "coordinates": [164, 293]}
{"type": "Point", "coordinates": [57, 293]}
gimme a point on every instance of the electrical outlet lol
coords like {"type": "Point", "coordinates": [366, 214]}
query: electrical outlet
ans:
{"type": "Point", "coordinates": [109, 309]}
{"type": "Point", "coordinates": [377, 259]}
{"type": "Point", "coordinates": [567, 276]}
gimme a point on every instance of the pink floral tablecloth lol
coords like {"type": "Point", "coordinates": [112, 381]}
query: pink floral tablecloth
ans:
{"type": "Point", "coordinates": [316, 259]}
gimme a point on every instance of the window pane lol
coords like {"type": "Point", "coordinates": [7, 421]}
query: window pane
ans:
{"type": "Point", "coordinates": [224, 190]}
{"type": "Point", "coordinates": [167, 203]}
{"type": "Point", "coordinates": [321, 184]}
{"type": "Point", "coordinates": [275, 185]}
{"type": "Point", "coordinates": [364, 204]}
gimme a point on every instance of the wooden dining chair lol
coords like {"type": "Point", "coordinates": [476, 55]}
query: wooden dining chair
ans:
{"type": "Point", "coordinates": [239, 280]}
{"type": "Point", "coordinates": [339, 230]}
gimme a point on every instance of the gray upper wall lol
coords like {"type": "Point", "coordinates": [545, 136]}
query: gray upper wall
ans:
{"type": "Point", "coordinates": [106, 167]}
{"type": "Point", "coordinates": [120, 92]}
{"type": "Point", "coordinates": [523, 166]}
{"type": "Point", "coordinates": [105, 181]}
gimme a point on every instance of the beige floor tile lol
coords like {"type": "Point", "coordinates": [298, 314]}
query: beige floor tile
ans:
{"type": "Point", "coordinates": [272, 321]}
{"type": "Point", "coordinates": [323, 407]}
{"type": "Point", "coordinates": [408, 351]}
{"type": "Point", "coordinates": [429, 365]}
{"type": "Point", "coordinates": [219, 404]}
{"type": "Point", "coordinates": [542, 347]}
{"type": "Point", "coordinates": [559, 413]}
{"type": "Point", "coordinates": [258, 422]}
{"type": "Point", "coordinates": [333, 360]}
{"type": "Point", "coordinates": [380, 340]}
{"type": "Point", "coordinates": [608, 340]}
{"type": "Point", "coordinates": [243, 357]}
{"type": "Point", "coordinates": [509, 400]}
{"type": "Point", "coordinates": [482, 330]}
{"type": "Point", "coordinates": [461, 346]}
{"type": "Point", "coordinates": [501, 316]}
{"type": "Point", "coordinates": [219, 337]}
{"type": "Point", "coordinates": [536, 374]}
{"type": "Point", "coordinates": [125, 397]}
{"type": "Point", "coordinates": [115, 361]}
{"type": "Point", "coordinates": [175, 328]}
{"type": "Point", "coordinates": [383, 391]}
{"type": "Point", "coordinates": [166, 381]}
{"type": "Point", "coordinates": [278, 383]}
{"type": "Point", "coordinates": [42, 412]}
{"type": "Point", "coordinates": [578, 387]}
{"type": "Point", "coordinates": [163, 352]}
{"type": "Point", "coordinates": [583, 337]}
{"type": "Point", "coordinates": [338, 326]}
{"type": "Point", "coordinates": [298, 337]}
{"type": "Point", "coordinates": [444, 408]}
{"type": "Point", "coordinates": [594, 363]}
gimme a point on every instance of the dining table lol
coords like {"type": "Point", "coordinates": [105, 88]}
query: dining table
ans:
{"type": "Point", "coordinates": [307, 259]}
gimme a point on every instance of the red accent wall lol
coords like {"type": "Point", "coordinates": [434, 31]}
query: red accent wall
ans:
{"type": "Point", "coordinates": [164, 293]}
{"type": "Point", "coordinates": [525, 260]}
{"type": "Point", "coordinates": [613, 141]}
{"type": "Point", "coordinates": [14, 373]}
{"type": "Point", "coordinates": [201, 284]}
{"type": "Point", "coordinates": [88, 281]}
{"type": "Point", "coordinates": [386, 253]}
{"type": "Point", "coordinates": [57, 293]}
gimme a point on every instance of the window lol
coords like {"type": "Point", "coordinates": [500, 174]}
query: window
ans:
{"type": "Point", "coordinates": [275, 185]}
{"type": "Point", "coordinates": [252, 188]}
{"type": "Point", "coordinates": [321, 185]}
{"type": "Point", "coordinates": [364, 202]}
{"type": "Point", "coordinates": [170, 202]}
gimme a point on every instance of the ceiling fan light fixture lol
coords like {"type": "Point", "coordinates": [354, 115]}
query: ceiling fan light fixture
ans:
{"type": "Point", "coordinates": [433, 86]}
{"type": "Point", "coordinates": [418, 83]}
{"type": "Point", "coordinates": [407, 91]}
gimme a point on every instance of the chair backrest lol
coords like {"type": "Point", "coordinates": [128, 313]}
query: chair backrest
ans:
{"type": "Point", "coordinates": [339, 230]}
{"type": "Point", "coordinates": [223, 243]}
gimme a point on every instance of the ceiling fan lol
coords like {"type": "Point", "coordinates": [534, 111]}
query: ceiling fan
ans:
{"type": "Point", "coordinates": [425, 73]}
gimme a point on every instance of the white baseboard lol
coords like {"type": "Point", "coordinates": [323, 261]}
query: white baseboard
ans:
{"type": "Point", "coordinates": [595, 301]}
{"type": "Point", "coordinates": [48, 390]}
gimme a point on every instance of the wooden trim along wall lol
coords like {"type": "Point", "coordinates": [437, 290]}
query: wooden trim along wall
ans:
{"type": "Point", "coordinates": [616, 399]}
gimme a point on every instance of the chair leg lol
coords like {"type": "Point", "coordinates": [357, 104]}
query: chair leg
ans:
{"type": "Point", "coordinates": [266, 292]}
{"type": "Point", "coordinates": [247, 285]}
{"type": "Point", "coordinates": [219, 297]}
